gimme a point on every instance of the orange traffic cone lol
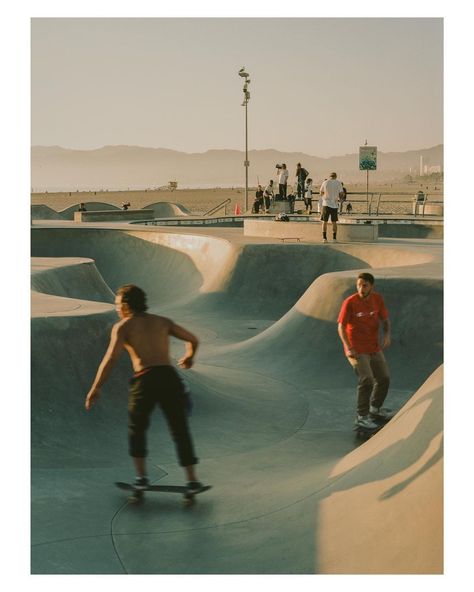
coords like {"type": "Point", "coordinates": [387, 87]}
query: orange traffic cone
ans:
{"type": "Point", "coordinates": [237, 210]}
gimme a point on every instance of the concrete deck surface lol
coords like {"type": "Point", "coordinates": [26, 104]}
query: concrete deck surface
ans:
{"type": "Point", "coordinates": [274, 399]}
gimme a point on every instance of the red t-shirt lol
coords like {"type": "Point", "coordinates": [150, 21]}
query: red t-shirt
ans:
{"type": "Point", "coordinates": [361, 318]}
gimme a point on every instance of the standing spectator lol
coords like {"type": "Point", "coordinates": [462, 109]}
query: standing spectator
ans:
{"type": "Point", "coordinates": [308, 201]}
{"type": "Point", "coordinates": [343, 198]}
{"type": "Point", "coordinates": [320, 201]}
{"type": "Point", "coordinates": [268, 196]}
{"type": "Point", "coordinates": [282, 181]}
{"type": "Point", "coordinates": [331, 191]}
{"type": "Point", "coordinates": [301, 175]}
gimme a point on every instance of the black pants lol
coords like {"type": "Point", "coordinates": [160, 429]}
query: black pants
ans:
{"type": "Point", "coordinates": [282, 190]}
{"type": "Point", "coordinates": [159, 385]}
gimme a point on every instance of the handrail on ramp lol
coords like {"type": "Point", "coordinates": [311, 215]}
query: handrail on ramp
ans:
{"type": "Point", "coordinates": [218, 207]}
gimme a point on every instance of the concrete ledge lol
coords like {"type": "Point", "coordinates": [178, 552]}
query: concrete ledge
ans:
{"type": "Point", "coordinates": [430, 209]}
{"type": "Point", "coordinates": [310, 231]}
{"type": "Point", "coordinates": [434, 209]}
{"type": "Point", "coordinates": [113, 215]}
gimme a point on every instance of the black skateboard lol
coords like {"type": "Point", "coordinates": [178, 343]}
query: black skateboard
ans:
{"type": "Point", "coordinates": [137, 494]}
{"type": "Point", "coordinates": [366, 433]}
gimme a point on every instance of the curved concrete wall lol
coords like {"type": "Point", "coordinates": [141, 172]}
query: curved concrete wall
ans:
{"type": "Point", "coordinates": [42, 212]}
{"type": "Point", "coordinates": [384, 502]}
{"type": "Point", "coordinates": [165, 209]}
{"type": "Point", "coordinates": [69, 277]}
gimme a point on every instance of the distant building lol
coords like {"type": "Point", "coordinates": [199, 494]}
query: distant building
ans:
{"type": "Point", "coordinates": [430, 169]}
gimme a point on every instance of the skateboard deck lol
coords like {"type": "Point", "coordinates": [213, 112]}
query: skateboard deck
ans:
{"type": "Point", "coordinates": [137, 494]}
{"type": "Point", "coordinates": [366, 433]}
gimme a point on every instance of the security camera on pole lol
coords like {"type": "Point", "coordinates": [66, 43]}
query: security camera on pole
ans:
{"type": "Point", "coordinates": [244, 74]}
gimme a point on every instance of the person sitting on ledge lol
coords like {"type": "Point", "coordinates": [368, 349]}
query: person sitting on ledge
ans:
{"type": "Point", "coordinates": [82, 207]}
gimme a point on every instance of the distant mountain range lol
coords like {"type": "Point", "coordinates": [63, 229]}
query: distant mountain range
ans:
{"type": "Point", "coordinates": [132, 167]}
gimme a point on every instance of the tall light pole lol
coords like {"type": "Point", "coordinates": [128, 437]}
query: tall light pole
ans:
{"type": "Point", "coordinates": [245, 75]}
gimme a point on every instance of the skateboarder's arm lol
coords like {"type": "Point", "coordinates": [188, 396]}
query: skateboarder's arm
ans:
{"type": "Point", "coordinates": [109, 360]}
{"type": "Point", "coordinates": [192, 343]}
{"type": "Point", "coordinates": [387, 333]}
{"type": "Point", "coordinates": [350, 351]}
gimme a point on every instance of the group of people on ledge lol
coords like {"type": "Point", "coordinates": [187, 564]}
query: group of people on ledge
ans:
{"type": "Point", "coordinates": [265, 198]}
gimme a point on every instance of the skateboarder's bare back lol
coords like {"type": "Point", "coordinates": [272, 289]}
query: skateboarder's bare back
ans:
{"type": "Point", "coordinates": [146, 338]}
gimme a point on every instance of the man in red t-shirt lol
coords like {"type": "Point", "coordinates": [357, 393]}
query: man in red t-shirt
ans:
{"type": "Point", "coordinates": [359, 321]}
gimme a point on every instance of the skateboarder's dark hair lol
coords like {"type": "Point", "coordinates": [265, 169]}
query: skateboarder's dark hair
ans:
{"type": "Point", "coordinates": [134, 296]}
{"type": "Point", "coordinates": [368, 277]}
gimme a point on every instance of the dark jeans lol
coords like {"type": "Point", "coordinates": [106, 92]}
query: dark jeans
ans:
{"type": "Point", "coordinates": [300, 189]}
{"type": "Point", "coordinates": [159, 385]}
{"type": "Point", "coordinates": [282, 190]}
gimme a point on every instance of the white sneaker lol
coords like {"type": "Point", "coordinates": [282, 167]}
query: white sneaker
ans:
{"type": "Point", "coordinates": [325, 240]}
{"type": "Point", "coordinates": [364, 421]}
{"type": "Point", "coordinates": [381, 412]}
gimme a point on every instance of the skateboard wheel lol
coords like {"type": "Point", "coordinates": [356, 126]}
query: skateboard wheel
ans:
{"type": "Point", "coordinates": [136, 498]}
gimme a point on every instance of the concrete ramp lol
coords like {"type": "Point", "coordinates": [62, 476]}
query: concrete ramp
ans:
{"type": "Point", "coordinates": [273, 410]}
{"type": "Point", "coordinates": [166, 209]}
{"type": "Point", "coordinates": [42, 212]}
{"type": "Point", "coordinates": [91, 206]}
{"type": "Point", "coordinates": [384, 504]}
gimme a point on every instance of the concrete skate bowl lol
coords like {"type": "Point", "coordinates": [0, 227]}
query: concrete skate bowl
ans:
{"type": "Point", "coordinates": [91, 206]}
{"type": "Point", "coordinates": [273, 409]}
{"type": "Point", "coordinates": [165, 209]}
{"type": "Point", "coordinates": [161, 210]}
{"type": "Point", "coordinates": [42, 212]}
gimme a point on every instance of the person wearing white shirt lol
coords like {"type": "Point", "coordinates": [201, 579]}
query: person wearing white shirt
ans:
{"type": "Point", "coordinates": [308, 202]}
{"type": "Point", "coordinates": [331, 191]}
{"type": "Point", "coordinates": [282, 181]}
{"type": "Point", "coordinates": [268, 196]}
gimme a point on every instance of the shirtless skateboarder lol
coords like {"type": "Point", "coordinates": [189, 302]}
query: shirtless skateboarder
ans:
{"type": "Point", "coordinates": [146, 338]}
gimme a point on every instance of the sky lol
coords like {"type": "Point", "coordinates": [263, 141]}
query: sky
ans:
{"type": "Point", "coordinates": [322, 86]}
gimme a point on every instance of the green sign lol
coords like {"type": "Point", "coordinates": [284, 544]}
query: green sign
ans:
{"type": "Point", "coordinates": [368, 158]}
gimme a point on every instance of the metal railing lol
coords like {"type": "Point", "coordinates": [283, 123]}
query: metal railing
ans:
{"type": "Point", "coordinates": [375, 200]}
{"type": "Point", "coordinates": [215, 209]}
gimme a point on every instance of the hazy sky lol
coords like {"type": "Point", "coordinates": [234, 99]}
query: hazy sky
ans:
{"type": "Point", "coordinates": [318, 85]}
